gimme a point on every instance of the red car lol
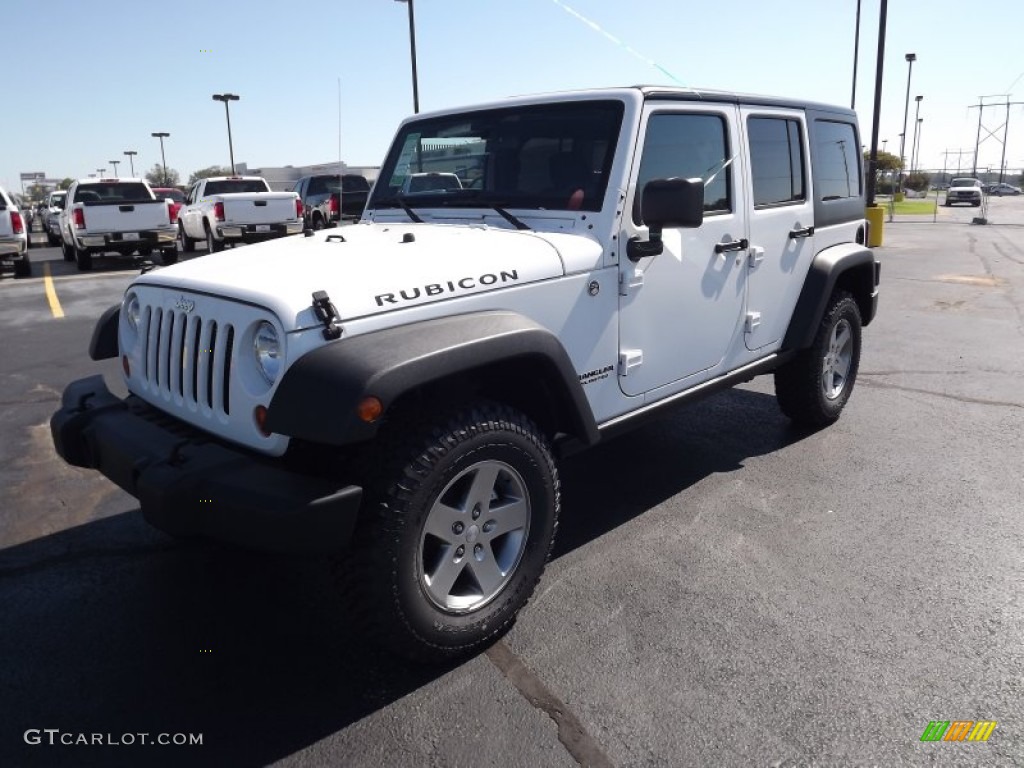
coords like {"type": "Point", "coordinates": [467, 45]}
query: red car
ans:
{"type": "Point", "coordinates": [177, 198]}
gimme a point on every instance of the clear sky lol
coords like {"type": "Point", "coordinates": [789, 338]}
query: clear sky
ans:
{"type": "Point", "coordinates": [88, 79]}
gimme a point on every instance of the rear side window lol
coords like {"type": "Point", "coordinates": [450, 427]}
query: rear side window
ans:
{"type": "Point", "coordinates": [838, 165]}
{"type": "Point", "coordinates": [776, 161]}
{"type": "Point", "coordinates": [688, 146]}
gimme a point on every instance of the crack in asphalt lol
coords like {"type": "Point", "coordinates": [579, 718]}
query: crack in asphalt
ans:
{"type": "Point", "coordinates": [946, 395]}
{"type": "Point", "coordinates": [574, 737]}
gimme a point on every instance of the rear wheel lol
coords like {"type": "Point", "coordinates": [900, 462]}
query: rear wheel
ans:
{"type": "Point", "coordinates": [212, 244]}
{"type": "Point", "coordinates": [23, 267]}
{"type": "Point", "coordinates": [68, 252]}
{"type": "Point", "coordinates": [813, 387]}
{"type": "Point", "coordinates": [318, 222]}
{"type": "Point", "coordinates": [188, 245]}
{"type": "Point", "coordinates": [461, 517]}
{"type": "Point", "coordinates": [84, 260]}
{"type": "Point", "coordinates": [169, 256]}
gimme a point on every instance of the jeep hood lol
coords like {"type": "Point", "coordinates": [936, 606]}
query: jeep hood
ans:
{"type": "Point", "coordinates": [368, 269]}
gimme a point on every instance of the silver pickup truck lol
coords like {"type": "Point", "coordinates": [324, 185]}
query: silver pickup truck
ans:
{"type": "Point", "coordinates": [116, 215]}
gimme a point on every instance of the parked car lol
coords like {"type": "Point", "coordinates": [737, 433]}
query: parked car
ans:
{"type": "Point", "coordinates": [13, 236]}
{"type": "Point", "coordinates": [224, 210]}
{"type": "Point", "coordinates": [51, 220]}
{"type": "Point", "coordinates": [328, 198]}
{"type": "Point", "coordinates": [170, 193]}
{"type": "Point", "coordinates": [416, 183]}
{"type": "Point", "coordinates": [964, 191]}
{"type": "Point", "coordinates": [1003, 190]}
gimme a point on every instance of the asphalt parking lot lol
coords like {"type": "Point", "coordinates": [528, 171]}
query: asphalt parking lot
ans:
{"type": "Point", "coordinates": [725, 591]}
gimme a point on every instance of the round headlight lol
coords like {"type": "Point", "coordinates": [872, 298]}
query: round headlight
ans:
{"type": "Point", "coordinates": [267, 349]}
{"type": "Point", "coordinates": [132, 310]}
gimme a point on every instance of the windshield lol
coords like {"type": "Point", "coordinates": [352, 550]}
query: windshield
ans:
{"type": "Point", "coordinates": [965, 183]}
{"type": "Point", "coordinates": [230, 186]}
{"type": "Point", "coordinates": [550, 156]}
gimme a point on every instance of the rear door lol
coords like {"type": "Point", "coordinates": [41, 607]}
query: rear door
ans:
{"type": "Point", "coordinates": [781, 220]}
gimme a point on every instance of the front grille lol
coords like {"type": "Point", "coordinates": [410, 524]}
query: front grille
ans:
{"type": "Point", "coordinates": [186, 356]}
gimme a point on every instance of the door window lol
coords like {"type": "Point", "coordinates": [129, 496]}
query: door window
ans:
{"type": "Point", "coordinates": [776, 161]}
{"type": "Point", "coordinates": [688, 146]}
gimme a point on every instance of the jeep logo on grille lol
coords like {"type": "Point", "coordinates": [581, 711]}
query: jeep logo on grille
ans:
{"type": "Point", "coordinates": [184, 305]}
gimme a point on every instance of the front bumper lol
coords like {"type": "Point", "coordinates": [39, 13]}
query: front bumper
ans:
{"type": "Point", "coordinates": [188, 484]}
{"type": "Point", "coordinates": [255, 233]}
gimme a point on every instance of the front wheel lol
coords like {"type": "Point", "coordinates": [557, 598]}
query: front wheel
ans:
{"type": "Point", "coordinates": [814, 386]}
{"type": "Point", "coordinates": [459, 525]}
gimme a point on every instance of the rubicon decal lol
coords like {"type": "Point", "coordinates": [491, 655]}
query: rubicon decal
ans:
{"type": "Point", "coordinates": [462, 285]}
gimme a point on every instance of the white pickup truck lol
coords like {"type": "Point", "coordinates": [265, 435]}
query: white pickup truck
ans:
{"type": "Point", "coordinates": [119, 215]}
{"type": "Point", "coordinates": [13, 236]}
{"type": "Point", "coordinates": [236, 209]}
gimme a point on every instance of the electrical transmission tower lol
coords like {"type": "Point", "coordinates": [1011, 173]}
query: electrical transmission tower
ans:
{"type": "Point", "coordinates": [992, 133]}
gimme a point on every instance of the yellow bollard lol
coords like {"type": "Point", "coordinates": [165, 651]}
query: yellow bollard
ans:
{"type": "Point", "coordinates": [874, 214]}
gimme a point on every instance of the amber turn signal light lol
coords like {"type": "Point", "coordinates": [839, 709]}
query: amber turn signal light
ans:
{"type": "Point", "coordinates": [370, 409]}
{"type": "Point", "coordinates": [259, 414]}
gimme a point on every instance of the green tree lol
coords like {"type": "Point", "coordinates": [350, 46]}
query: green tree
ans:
{"type": "Point", "coordinates": [886, 161]}
{"type": "Point", "coordinates": [155, 176]}
{"type": "Point", "coordinates": [205, 173]}
{"type": "Point", "coordinates": [66, 183]}
{"type": "Point", "coordinates": [918, 180]}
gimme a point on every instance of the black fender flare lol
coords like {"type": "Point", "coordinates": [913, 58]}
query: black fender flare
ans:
{"type": "Point", "coordinates": [104, 345]}
{"type": "Point", "coordinates": [318, 396]}
{"type": "Point", "coordinates": [850, 265]}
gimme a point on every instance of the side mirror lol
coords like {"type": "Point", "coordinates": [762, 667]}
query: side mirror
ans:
{"type": "Point", "coordinates": [667, 203]}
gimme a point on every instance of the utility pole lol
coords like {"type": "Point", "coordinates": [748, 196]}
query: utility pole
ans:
{"type": "Point", "coordinates": [980, 106]}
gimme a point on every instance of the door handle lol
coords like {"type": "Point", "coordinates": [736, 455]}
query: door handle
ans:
{"type": "Point", "coordinates": [805, 232]}
{"type": "Point", "coordinates": [735, 245]}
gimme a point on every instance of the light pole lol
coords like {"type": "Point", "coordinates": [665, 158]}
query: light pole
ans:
{"type": "Point", "coordinates": [911, 58]}
{"type": "Point", "coordinates": [226, 97]}
{"type": "Point", "coordinates": [883, 9]}
{"type": "Point", "coordinates": [884, 142]}
{"type": "Point", "coordinates": [917, 122]}
{"type": "Point", "coordinates": [101, 172]}
{"type": "Point", "coordinates": [412, 54]}
{"type": "Point", "coordinates": [115, 163]}
{"type": "Point", "coordinates": [916, 154]}
{"type": "Point", "coordinates": [131, 159]}
{"type": "Point", "coordinates": [163, 157]}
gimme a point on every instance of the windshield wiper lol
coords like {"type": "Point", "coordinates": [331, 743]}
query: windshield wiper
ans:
{"type": "Point", "coordinates": [513, 220]}
{"type": "Point", "coordinates": [399, 200]}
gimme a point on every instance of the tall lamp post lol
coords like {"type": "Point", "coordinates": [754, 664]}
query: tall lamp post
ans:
{"type": "Point", "coordinates": [101, 172]}
{"type": "Point", "coordinates": [412, 54]}
{"type": "Point", "coordinates": [131, 159]}
{"type": "Point", "coordinates": [163, 157]}
{"type": "Point", "coordinates": [226, 97]}
{"type": "Point", "coordinates": [115, 163]}
{"type": "Point", "coordinates": [917, 123]}
{"type": "Point", "coordinates": [911, 58]}
{"type": "Point", "coordinates": [916, 155]}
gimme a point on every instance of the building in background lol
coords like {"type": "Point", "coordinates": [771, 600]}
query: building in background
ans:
{"type": "Point", "coordinates": [283, 179]}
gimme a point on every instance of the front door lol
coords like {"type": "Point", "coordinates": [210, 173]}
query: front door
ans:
{"type": "Point", "coordinates": [681, 310]}
{"type": "Point", "coordinates": [781, 222]}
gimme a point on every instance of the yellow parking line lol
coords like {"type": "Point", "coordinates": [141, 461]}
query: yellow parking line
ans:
{"type": "Point", "coordinates": [51, 294]}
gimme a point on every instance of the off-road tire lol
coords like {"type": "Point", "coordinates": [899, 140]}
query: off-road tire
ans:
{"type": "Point", "coordinates": [808, 389]}
{"type": "Point", "coordinates": [384, 575]}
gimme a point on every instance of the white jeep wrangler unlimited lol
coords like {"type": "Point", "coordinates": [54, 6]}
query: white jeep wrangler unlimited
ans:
{"type": "Point", "coordinates": [396, 392]}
